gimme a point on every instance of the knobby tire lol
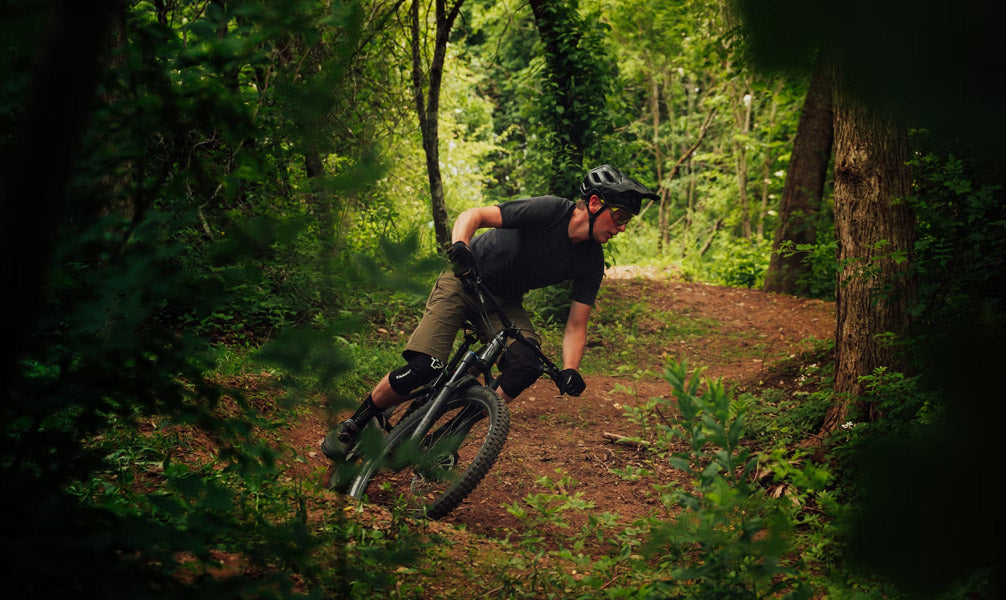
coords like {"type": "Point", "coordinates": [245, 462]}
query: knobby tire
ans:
{"type": "Point", "coordinates": [452, 459]}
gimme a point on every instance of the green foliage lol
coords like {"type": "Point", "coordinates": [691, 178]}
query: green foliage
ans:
{"type": "Point", "coordinates": [107, 357]}
{"type": "Point", "coordinates": [570, 107]}
{"type": "Point", "coordinates": [187, 225]}
{"type": "Point", "coordinates": [732, 539]}
{"type": "Point", "coordinates": [822, 266]}
{"type": "Point", "coordinates": [739, 262]}
{"type": "Point", "coordinates": [961, 239]}
{"type": "Point", "coordinates": [550, 89]}
{"type": "Point", "coordinates": [902, 400]}
{"type": "Point", "coordinates": [549, 304]}
{"type": "Point", "coordinates": [626, 325]}
{"type": "Point", "coordinates": [230, 209]}
{"type": "Point", "coordinates": [785, 416]}
{"type": "Point", "coordinates": [581, 576]}
{"type": "Point", "coordinates": [547, 507]}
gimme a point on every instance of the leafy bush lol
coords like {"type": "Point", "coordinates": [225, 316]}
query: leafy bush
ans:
{"type": "Point", "coordinates": [821, 260]}
{"type": "Point", "coordinates": [730, 261]}
{"type": "Point", "coordinates": [106, 357]}
{"type": "Point", "coordinates": [732, 540]}
{"type": "Point", "coordinates": [960, 246]}
{"type": "Point", "coordinates": [183, 222]}
{"type": "Point", "coordinates": [550, 305]}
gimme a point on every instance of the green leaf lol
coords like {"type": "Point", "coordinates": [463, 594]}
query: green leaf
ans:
{"type": "Point", "coordinates": [681, 464]}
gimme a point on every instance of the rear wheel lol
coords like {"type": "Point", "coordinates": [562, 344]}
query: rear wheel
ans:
{"type": "Point", "coordinates": [434, 475]}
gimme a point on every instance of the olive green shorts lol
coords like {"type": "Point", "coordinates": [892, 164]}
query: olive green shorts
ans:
{"type": "Point", "coordinates": [447, 309]}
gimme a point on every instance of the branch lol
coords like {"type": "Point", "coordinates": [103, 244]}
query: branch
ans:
{"type": "Point", "coordinates": [677, 165]}
{"type": "Point", "coordinates": [417, 74]}
{"type": "Point", "coordinates": [712, 236]}
{"type": "Point", "coordinates": [380, 23]}
{"type": "Point", "coordinates": [625, 441]}
{"type": "Point", "coordinates": [702, 134]}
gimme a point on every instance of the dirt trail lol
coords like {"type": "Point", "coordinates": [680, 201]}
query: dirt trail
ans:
{"type": "Point", "coordinates": [551, 435]}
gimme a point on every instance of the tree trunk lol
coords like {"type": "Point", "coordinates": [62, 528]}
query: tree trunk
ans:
{"type": "Point", "coordinates": [767, 161]}
{"type": "Point", "coordinates": [805, 176]}
{"type": "Point", "coordinates": [58, 103]}
{"type": "Point", "coordinates": [742, 119]}
{"type": "Point", "coordinates": [428, 108]}
{"type": "Point", "coordinates": [559, 31]}
{"type": "Point", "coordinates": [658, 159]}
{"type": "Point", "coordinates": [319, 203]}
{"type": "Point", "coordinates": [875, 232]}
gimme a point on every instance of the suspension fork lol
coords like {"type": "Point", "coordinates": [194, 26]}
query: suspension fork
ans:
{"type": "Point", "coordinates": [459, 378]}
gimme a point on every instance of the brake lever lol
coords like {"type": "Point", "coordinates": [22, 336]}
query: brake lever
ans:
{"type": "Point", "coordinates": [554, 372]}
{"type": "Point", "coordinates": [557, 379]}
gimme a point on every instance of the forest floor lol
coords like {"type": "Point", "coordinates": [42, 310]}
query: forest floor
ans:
{"type": "Point", "coordinates": [746, 336]}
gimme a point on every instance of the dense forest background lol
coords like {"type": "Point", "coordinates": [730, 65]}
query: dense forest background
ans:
{"type": "Point", "coordinates": [193, 187]}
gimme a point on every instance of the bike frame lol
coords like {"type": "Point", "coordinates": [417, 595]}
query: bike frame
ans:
{"type": "Point", "coordinates": [466, 361]}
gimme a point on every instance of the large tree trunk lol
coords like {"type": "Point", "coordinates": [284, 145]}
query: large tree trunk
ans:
{"type": "Point", "coordinates": [875, 231]}
{"type": "Point", "coordinates": [428, 108]}
{"type": "Point", "coordinates": [32, 190]}
{"type": "Point", "coordinates": [556, 24]}
{"type": "Point", "coordinates": [805, 176]}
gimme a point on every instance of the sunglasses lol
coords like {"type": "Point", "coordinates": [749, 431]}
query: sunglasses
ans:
{"type": "Point", "coordinates": [620, 216]}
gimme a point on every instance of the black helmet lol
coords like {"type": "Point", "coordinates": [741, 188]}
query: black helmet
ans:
{"type": "Point", "coordinates": [615, 188]}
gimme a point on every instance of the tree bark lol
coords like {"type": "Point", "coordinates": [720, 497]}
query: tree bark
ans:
{"type": "Point", "coordinates": [58, 103]}
{"type": "Point", "coordinates": [428, 107]}
{"type": "Point", "coordinates": [804, 187]}
{"type": "Point", "coordinates": [875, 232]}
{"type": "Point", "coordinates": [768, 160]}
{"type": "Point", "coordinates": [658, 159]}
{"type": "Point", "coordinates": [552, 20]}
{"type": "Point", "coordinates": [743, 106]}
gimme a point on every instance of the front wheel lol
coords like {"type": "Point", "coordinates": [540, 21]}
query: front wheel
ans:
{"type": "Point", "coordinates": [434, 475]}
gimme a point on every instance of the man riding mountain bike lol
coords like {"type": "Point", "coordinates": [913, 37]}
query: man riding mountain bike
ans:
{"type": "Point", "coordinates": [532, 243]}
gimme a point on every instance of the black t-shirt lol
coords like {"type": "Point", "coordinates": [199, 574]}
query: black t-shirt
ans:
{"type": "Point", "coordinates": [532, 249]}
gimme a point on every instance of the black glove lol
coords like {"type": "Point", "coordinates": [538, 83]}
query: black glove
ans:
{"type": "Point", "coordinates": [572, 382]}
{"type": "Point", "coordinates": [461, 258]}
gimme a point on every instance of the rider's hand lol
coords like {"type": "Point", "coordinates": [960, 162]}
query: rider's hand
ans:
{"type": "Point", "coordinates": [461, 258]}
{"type": "Point", "coordinates": [572, 382]}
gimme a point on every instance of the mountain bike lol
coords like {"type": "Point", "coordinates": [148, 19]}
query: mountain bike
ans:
{"type": "Point", "coordinates": [453, 429]}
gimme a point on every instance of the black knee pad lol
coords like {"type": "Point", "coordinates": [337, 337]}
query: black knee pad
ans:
{"type": "Point", "coordinates": [422, 368]}
{"type": "Point", "coordinates": [520, 368]}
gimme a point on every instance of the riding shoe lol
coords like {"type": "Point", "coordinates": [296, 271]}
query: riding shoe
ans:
{"type": "Point", "coordinates": [340, 441]}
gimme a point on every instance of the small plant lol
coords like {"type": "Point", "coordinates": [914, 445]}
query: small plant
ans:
{"type": "Point", "coordinates": [631, 472]}
{"type": "Point", "coordinates": [546, 508]}
{"type": "Point", "coordinates": [897, 396]}
{"type": "Point", "coordinates": [818, 280]}
{"type": "Point", "coordinates": [732, 540]}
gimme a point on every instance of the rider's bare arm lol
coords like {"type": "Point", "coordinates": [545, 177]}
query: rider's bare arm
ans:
{"type": "Point", "coordinates": [575, 337]}
{"type": "Point", "coordinates": [474, 219]}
